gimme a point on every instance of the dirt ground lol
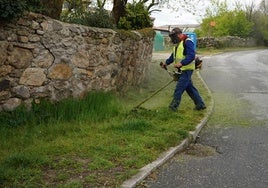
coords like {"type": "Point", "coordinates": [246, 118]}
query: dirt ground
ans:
{"type": "Point", "coordinates": [160, 55]}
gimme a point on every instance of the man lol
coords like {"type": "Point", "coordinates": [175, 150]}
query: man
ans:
{"type": "Point", "coordinates": [183, 57]}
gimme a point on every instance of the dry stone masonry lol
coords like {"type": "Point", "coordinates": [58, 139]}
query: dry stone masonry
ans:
{"type": "Point", "coordinates": [45, 58]}
{"type": "Point", "coordinates": [219, 42]}
{"type": "Point", "coordinates": [225, 42]}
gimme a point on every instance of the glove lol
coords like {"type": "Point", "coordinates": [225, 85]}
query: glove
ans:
{"type": "Point", "coordinates": [178, 65]}
{"type": "Point", "coordinates": [163, 65]}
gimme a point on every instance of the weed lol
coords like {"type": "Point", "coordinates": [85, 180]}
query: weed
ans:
{"type": "Point", "coordinates": [94, 107]}
{"type": "Point", "coordinates": [98, 141]}
{"type": "Point", "coordinates": [130, 125]}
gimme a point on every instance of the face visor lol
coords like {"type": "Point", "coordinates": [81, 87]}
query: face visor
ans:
{"type": "Point", "coordinates": [174, 37]}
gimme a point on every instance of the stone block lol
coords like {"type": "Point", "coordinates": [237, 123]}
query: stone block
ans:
{"type": "Point", "coordinates": [11, 104]}
{"type": "Point", "coordinates": [60, 72]}
{"type": "Point", "coordinates": [33, 77]}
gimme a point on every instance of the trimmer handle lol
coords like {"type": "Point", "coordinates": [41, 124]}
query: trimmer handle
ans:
{"type": "Point", "coordinates": [163, 65]}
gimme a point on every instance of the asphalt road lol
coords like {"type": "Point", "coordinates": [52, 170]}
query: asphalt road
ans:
{"type": "Point", "coordinates": [232, 150]}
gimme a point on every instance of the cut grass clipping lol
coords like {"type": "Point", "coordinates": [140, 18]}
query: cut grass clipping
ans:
{"type": "Point", "coordinates": [96, 141]}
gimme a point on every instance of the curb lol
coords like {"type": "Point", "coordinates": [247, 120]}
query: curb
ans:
{"type": "Point", "coordinates": [164, 157]}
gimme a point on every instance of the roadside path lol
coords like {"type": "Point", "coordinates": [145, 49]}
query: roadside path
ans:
{"type": "Point", "coordinates": [232, 150]}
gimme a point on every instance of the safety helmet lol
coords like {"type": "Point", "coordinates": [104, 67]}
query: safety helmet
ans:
{"type": "Point", "coordinates": [174, 35]}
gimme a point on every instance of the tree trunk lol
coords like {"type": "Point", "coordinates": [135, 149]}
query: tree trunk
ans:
{"type": "Point", "coordinates": [119, 10]}
{"type": "Point", "coordinates": [52, 8]}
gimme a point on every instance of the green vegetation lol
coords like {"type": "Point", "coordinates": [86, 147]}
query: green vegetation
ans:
{"type": "Point", "coordinates": [10, 9]}
{"type": "Point", "coordinates": [137, 17]}
{"type": "Point", "coordinates": [261, 27]}
{"type": "Point", "coordinates": [213, 51]}
{"type": "Point", "coordinates": [232, 23]}
{"type": "Point", "coordinates": [15, 8]}
{"type": "Point", "coordinates": [247, 21]}
{"type": "Point", "coordinates": [98, 141]}
{"type": "Point", "coordinates": [97, 18]}
{"type": "Point", "coordinates": [220, 21]}
{"type": "Point", "coordinates": [129, 16]}
{"type": "Point", "coordinates": [65, 111]}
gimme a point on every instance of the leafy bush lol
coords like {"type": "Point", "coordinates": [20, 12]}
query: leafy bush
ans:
{"type": "Point", "coordinates": [98, 18]}
{"type": "Point", "coordinates": [73, 17]}
{"type": "Point", "coordinates": [265, 37]}
{"type": "Point", "coordinates": [14, 8]}
{"type": "Point", "coordinates": [11, 9]}
{"type": "Point", "coordinates": [35, 6]}
{"type": "Point", "coordinates": [137, 17]}
{"type": "Point", "coordinates": [261, 28]}
{"type": "Point", "coordinates": [229, 23]}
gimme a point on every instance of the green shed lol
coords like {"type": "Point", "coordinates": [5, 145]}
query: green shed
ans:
{"type": "Point", "coordinates": [158, 41]}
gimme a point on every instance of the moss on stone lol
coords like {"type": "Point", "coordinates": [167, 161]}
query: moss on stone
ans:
{"type": "Point", "coordinates": [127, 34]}
{"type": "Point", "coordinates": [147, 32]}
{"type": "Point", "coordinates": [130, 34]}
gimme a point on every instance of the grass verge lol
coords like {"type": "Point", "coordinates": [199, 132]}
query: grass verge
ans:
{"type": "Point", "coordinates": [213, 51]}
{"type": "Point", "coordinates": [96, 142]}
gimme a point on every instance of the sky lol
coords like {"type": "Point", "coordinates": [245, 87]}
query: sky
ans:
{"type": "Point", "coordinates": [170, 17]}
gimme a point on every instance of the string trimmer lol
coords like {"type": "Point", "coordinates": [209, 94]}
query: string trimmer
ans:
{"type": "Point", "coordinates": [175, 75]}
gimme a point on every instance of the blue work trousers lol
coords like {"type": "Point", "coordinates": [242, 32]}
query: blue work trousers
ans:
{"type": "Point", "coordinates": [185, 84]}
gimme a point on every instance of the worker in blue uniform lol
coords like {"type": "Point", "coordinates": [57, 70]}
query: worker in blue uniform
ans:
{"type": "Point", "coordinates": [183, 57]}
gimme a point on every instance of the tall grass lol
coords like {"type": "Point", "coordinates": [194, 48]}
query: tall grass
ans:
{"type": "Point", "coordinates": [98, 141]}
{"type": "Point", "coordinates": [94, 107]}
{"type": "Point", "coordinates": [32, 139]}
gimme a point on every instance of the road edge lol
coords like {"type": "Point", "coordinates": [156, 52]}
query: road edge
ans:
{"type": "Point", "coordinates": [164, 157]}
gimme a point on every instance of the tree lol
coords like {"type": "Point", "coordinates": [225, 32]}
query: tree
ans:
{"type": "Point", "coordinates": [261, 23]}
{"type": "Point", "coordinates": [119, 10]}
{"type": "Point", "coordinates": [216, 8]}
{"type": "Point", "coordinates": [119, 7]}
{"type": "Point", "coordinates": [80, 5]}
{"type": "Point", "coordinates": [52, 8]}
{"type": "Point", "coordinates": [137, 17]}
{"type": "Point", "coordinates": [250, 11]}
{"type": "Point", "coordinates": [239, 25]}
{"type": "Point", "coordinates": [264, 7]}
{"type": "Point", "coordinates": [233, 23]}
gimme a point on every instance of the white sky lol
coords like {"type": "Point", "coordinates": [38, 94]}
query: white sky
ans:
{"type": "Point", "coordinates": [169, 17]}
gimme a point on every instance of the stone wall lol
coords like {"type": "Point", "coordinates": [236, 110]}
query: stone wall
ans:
{"type": "Point", "coordinates": [45, 58]}
{"type": "Point", "coordinates": [225, 42]}
{"type": "Point", "coordinates": [219, 42]}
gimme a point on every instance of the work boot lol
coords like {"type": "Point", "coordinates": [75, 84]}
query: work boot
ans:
{"type": "Point", "coordinates": [202, 107]}
{"type": "Point", "coordinates": [173, 105]}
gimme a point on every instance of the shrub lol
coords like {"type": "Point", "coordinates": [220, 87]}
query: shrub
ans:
{"type": "Point", "coordinates": [97, 18]}
{"type": "Point", "coordinates": [11, 9]}
{"type": "Point", "coordinates": [51, 8]}
{"type": "Point", "coordinates": [137, 17]}
{"type": "Point", "coordinates": [35, 6]}
{"type": "Point", "coordinates": [14, 8]}
{"type": "Point", "coordinates": [73, 17]}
